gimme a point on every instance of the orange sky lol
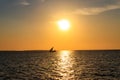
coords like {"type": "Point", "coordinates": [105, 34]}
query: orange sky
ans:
{"type": "Point", "coordinates": [33, 26]}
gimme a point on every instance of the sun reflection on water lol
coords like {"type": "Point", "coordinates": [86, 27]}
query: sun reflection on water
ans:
{"type": "Point", "coordinates": [66, 65]}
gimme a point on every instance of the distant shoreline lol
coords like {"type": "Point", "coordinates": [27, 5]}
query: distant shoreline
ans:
{"type": "Point", "coordinates": [57, 50]}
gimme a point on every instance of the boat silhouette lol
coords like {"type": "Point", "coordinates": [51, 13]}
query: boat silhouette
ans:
{"type": "Point", "coordinates": [52, 50]}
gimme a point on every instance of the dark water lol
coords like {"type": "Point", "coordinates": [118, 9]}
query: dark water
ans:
{"type": "Point", "coordinates": [61, 65]}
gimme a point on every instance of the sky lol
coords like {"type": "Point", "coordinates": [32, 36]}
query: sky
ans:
{"type": "Point", "coordinates": [31, 24]}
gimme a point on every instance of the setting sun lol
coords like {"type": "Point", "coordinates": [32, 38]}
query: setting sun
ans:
{"type": "Point", "coordinates": [63, 24]}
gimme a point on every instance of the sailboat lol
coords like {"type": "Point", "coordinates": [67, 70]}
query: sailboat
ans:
{"type": "Point", "coordinates": [52, 50]}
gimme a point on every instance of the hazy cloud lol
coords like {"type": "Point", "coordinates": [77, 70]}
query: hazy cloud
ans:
{"type": "Point", "coordinates": [42, 0]}
{"type": "Point", "coordinates": [97, 10]}
{"type": "Point", "coordinates": [27, 2]}
{"type": "Point", "coordinates": [23, 2]}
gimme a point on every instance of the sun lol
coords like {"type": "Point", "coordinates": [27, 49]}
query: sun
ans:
{"type": "Point", "coordinates": [63, 24]}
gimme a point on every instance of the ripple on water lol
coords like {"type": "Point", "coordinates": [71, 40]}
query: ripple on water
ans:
{"type": "Point", "coordinates": [62, 65]}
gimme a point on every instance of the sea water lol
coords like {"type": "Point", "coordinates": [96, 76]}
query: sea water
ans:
{"type": "Point", "coordinates": [60, 65]}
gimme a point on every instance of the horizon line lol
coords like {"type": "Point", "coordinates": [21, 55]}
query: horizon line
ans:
{"type": "Point", "coordinates": [66, 49]}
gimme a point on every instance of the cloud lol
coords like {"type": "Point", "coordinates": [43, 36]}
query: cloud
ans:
{"type": "Point", "coordinates": [42, 0]}
{"type": "Point", "coordinates": [97, 10]}
{"type": "Point", "coordinates": [24, 2]}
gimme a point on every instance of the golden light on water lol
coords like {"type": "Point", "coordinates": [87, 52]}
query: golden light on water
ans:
{"type": "Point", "coordinates": [63, 24]}
{"type": "Point", "coordinates": [65, 56]}
{"type": "Point", "coordinates": [66, 65]}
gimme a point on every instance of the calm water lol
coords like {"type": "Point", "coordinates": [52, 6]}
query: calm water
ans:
{"type": "Point", "coordinates": [61, 65]}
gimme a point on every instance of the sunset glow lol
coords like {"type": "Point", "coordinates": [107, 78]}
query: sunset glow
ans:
{"type": "Point", "coordinates": [63, 24]}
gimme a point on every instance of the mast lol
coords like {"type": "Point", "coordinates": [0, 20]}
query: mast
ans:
{"type": "Point", "coordinates": [51, 49]}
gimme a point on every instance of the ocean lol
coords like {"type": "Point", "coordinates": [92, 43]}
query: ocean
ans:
{"type": "Point", "coordinates": [60, 65]}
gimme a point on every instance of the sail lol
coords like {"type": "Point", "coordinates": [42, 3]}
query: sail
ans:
{"type": "Point", "coordinates": [52, 50]}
